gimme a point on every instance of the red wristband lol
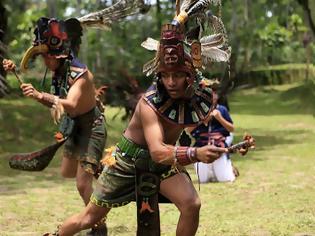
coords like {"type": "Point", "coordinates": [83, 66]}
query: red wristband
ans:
{"type": "Point", "coordinates": [185, 155]}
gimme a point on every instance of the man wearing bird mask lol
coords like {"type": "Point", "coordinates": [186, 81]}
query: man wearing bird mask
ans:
{"type": "Point", "coordinates": [72, 93]}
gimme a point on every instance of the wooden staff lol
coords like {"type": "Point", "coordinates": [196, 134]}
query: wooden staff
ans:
{"type": "Point", "coordinates": [12, 69]}
{"type": "Point", "coordinates": [17, 76]}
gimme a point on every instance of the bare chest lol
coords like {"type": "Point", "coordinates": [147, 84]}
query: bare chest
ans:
{"type": "Point", "coordinates": [171, 131]}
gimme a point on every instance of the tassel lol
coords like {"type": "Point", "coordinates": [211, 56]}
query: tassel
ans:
{"type": "Point", "coordinates": [56, 112]}
{"type": "Point", "coordinates": [109, 158]}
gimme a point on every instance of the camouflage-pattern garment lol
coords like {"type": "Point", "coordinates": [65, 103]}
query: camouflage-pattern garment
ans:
{"type": "Point", "coordinates": [115, 186]}
{"type": "Point", "coordinates": [87, 140]}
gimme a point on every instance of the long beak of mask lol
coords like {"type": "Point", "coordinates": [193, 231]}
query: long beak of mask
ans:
{"type": "Point", "coordinates": [31, 52]}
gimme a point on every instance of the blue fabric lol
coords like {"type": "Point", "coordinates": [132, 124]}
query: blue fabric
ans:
{"type": "Point", "coordinates": [76, 63]}
{"type": "Point", "coordinates": [216, 126]}
{"type": "Point", "coordinates": [200, 133]}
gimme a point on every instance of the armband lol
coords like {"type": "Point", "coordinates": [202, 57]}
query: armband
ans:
{"type": "Point", "coordinates": [49, 100]}
{"type": "Point", "coordinates": [185, 155]}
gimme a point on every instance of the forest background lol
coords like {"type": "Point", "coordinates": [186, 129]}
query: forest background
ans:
{"type": "Point", "coordinates": [269, 83]}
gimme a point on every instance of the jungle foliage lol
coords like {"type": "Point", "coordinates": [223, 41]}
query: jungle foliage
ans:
{"type": "Point", "coordinates": [262, 33]}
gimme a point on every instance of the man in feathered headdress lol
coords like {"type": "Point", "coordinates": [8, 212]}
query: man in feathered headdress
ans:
{"type": "Point", "coordinates": [72, 92]}
{"type": "Point", "coordinates": [146, 161]}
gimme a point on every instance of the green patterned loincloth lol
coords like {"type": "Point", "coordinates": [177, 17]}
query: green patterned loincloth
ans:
{"type": "Point", "coordinates": [87, 140]}
{"type": "Point", "coordinates": [116, 185]}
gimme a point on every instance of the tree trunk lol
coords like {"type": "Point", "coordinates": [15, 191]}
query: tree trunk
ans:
{"type": "Point", "coordinates": [158, 15]}
{"type": "Point", "coordinates": [308, 15]}
{"type": "Point", "coordinates": [233, 58]}
{"type": "Point", "coordinates": [84, 44]}
{"type": "Point", "coordinates": [52, 9]}
{"type": "Point", "coordinates": [3, 27]}
{"type": "Point", "coordinates": [246, 26]}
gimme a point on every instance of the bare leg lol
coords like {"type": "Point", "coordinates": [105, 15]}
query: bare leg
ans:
{"type": "Point", "coordinates": [181, 192]}
{"type": "Point", "coordinates": [84, 220]}
{"type": "Point", "coordinates": [84, 184]}
{"type": "Point", "coordinates": [69, 167]}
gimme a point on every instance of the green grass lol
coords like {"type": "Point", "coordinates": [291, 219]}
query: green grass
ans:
{"type": "Point", "coordinates": [274, 194]}
{"type": "Point", "coordinates": [285, 67]}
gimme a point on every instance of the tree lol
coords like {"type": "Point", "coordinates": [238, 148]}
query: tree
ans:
{"type": "Point", "coordinates": [3, 28]}
{"type": "Point", "coordinates": [309, 18]}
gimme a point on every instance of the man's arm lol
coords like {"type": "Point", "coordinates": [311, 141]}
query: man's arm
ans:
{"type": "Point", "coordinates": [73, 103]}
{"type": "Point", "coordinates": [165, 153]}
{"type": "Point", "coordinates": [225, 123]}
{"type": "Point", "coordinates": [154, 135]}
{"type": "Point", "coordinates": [76, 97]}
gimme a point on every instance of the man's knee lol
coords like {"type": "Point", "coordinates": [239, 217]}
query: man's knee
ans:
{"type": "Point", "coordinates": [191, 205]}
{"type": "Point", "coordinates": [195, 204]}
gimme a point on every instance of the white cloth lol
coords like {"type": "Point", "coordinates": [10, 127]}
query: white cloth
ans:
{"type": "Point", "coordinates": [220, 170]}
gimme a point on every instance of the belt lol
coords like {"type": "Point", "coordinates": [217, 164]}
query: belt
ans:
{"type": "Point", "coordinates": [131, 149]}
{"type": "Point", "coordinates": [141, 156]}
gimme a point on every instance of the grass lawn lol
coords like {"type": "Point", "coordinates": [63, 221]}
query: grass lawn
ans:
{"type": "Point", "coordinates": [274, 194]}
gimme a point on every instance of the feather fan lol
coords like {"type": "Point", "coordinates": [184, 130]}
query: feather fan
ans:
{"type": "Point", "coordinates": [150, 44]}
{"type": "Point", "coordinates": [103, 19]}
{"type": "Point", "coordinates": [214, 55]}
{"type": "Point", "coordinates": [215, 40]}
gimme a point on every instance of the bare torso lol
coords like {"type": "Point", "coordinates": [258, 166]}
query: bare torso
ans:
{"type": "Point", "coordinates": [135, 131]}
{"type": "Point", "coordinates": [81, 96]}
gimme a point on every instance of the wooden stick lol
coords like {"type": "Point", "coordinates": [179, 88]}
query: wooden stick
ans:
{"type": "Point", "coordinates": [237, 146]}
{"type": "Point", "coordinates": [17, 76]}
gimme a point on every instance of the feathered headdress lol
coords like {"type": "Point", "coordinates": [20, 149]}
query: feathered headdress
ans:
{"type": "Point", "coordinates": [198, 50]}
{"type": "Point", "coordinates": [105, 18]}
{"type": "Point", "coordinates": [62, 38]}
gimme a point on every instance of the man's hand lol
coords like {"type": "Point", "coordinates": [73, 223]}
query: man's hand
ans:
{"type": "Point", "coordinates": [209, 153]}
{"type": "Point", "coordinates": [8, 65]}
{"type": "Point", "coordinates": [30, 91]}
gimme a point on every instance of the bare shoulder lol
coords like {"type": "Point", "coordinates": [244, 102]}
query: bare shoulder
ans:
{"type": "Point", "coordinates": [88, 76]}
{"type": "Point", "coordinates": [145, 109]}
{"type": "Point", "coordinates": [86, 80]}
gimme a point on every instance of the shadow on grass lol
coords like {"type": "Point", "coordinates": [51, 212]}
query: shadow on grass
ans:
{"type": "Point", "coordinates": [17, 182]}
{"type": "Point", "coordinates": [268, 140]}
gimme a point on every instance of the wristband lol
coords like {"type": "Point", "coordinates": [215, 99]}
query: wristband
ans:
{"type": "Point", "coordinates": [49, 100]}
{"type": "Point", "coordinates": [185, 155]}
